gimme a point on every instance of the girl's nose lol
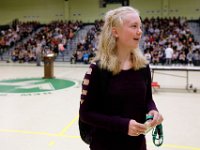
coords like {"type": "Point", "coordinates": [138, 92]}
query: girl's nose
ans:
{"type": "Point", "coordinates": [139, 32]}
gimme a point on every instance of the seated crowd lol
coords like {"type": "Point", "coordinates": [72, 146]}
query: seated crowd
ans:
{"type": "Point", "coordinates": [165, 41]}
{"type": "Point", "coordinates": [87, 47]}
{"type": "Point", "coordinates": [169, 41]}
{"type": "Point", "coordinates": [51, 38]}
{"type": "Point", "coordinates": [9, 35]}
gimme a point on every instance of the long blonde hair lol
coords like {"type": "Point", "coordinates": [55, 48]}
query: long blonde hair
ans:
{"type": "Point", "coordinates": [107, 51]}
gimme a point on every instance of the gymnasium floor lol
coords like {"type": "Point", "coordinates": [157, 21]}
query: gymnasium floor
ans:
{"type": "Point", "coordinates": [46, 118]}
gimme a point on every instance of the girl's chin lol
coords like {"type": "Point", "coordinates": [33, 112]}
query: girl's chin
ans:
{"type": "Point", "coordinates": [135, 47]}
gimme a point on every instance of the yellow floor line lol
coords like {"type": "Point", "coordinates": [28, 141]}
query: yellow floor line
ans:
{"type": "Point", "coordinates": [52, 143]}
{"type": "Point", "coordinates": [63, 132]}
{"type": "Point", "coordinates": [182, 147]}
{"type": "Point", "coordinates": [39, 133]}
{"type": "Point", "coordinates": [28, 132]}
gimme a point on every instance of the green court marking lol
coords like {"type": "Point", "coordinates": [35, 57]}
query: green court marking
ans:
{"type": "Point", "coordinates": [33, 85]}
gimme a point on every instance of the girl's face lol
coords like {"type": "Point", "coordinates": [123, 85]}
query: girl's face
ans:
{"type": "Point", "coordinates": [129, 34]}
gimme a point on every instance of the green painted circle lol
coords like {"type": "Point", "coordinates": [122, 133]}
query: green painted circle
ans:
{"type": "Point", "coordinates": [33, 85]}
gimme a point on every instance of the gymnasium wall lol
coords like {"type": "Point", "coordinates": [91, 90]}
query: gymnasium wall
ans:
{"type": "Point", "coordinates": [27, 10]}
{"type": "Point", "coordinates": [89, 10]}
{"type": "Point", "coordinates": [148, 8]}
{"type": "Point", "coordinates": [166, 8]}
{"type": "Point", "coordinates": [187, 8]}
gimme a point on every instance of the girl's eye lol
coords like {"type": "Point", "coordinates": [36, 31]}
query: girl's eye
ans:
{"type": "Point", "coordinates": [134, 26]}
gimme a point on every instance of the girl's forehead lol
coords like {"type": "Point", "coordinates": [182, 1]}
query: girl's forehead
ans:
{"type": "Point", "coordinates": [131, 18]}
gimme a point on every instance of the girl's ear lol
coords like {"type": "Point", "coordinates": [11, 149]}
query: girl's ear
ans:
{"type": "Point", "coordinates": [114, 32]}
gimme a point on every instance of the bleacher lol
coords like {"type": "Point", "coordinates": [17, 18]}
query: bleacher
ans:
{"type": "Point", "coordinates": [173, 29]}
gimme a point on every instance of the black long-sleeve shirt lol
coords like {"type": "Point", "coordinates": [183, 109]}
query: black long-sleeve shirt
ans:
{"type": "Point", "coordinates": [108, 104]}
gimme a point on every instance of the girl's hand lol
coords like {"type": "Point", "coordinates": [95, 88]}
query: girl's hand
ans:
{"type": "Point", "coordinates": [135, 128]}
{"type": "Point", "coordinates": [157, 118]}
